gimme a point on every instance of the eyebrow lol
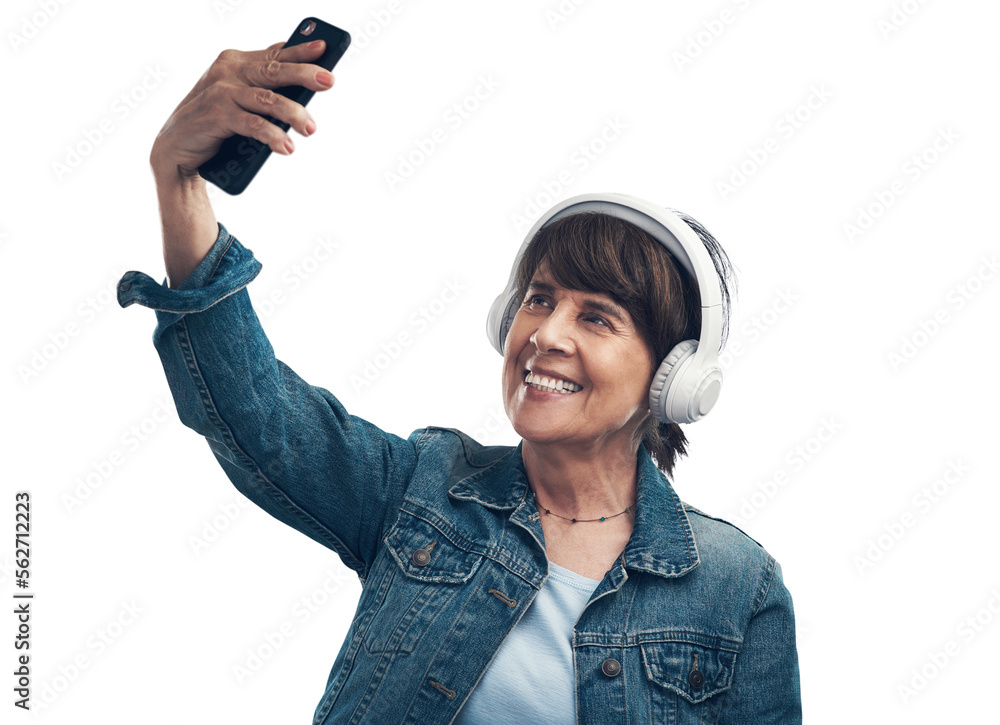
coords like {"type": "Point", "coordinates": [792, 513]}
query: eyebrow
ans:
{"type": "Point", "coordinates": [610, 309]}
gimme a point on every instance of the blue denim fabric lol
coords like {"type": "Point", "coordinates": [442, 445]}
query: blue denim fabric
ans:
{"type": "Point", "coordinates": [694, 611]}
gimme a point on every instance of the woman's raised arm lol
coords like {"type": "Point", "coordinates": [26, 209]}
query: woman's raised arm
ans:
{"type": "Point", "coordinates": [289, 446]}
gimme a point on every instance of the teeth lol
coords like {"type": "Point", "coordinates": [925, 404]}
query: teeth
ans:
{"type": "Point", "coordinates": [551, 385]}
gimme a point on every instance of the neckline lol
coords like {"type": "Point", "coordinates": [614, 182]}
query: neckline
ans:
{"type": "Point", "coordinates": [572, 576]}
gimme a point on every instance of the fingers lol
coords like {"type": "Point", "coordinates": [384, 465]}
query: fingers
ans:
{"type": "Point", "coordinates": [288, 66]}
{"type": "Point", "coordinates": [235, 96]}
{"type": "Point", "coordinates": [299, 53]}
{"type": "Point", "coordinates": [274, 67]}
{"type": "Point", "coordinates": [252, 104]}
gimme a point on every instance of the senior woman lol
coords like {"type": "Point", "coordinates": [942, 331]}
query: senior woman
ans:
{"type": "Point", "coordinates": [558, 581]}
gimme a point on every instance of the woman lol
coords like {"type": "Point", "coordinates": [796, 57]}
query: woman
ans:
{"type": "Point", "coordinates": [558, 581]}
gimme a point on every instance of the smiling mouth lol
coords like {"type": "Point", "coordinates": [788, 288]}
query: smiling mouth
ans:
{"type": "Point", "coordinates": [550, 385]}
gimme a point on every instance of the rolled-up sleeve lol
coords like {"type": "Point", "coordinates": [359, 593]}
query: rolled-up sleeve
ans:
{"type": "Point", "coordinates": [289, 446]}
{"type": "Point", "coordinates": [210, 282]}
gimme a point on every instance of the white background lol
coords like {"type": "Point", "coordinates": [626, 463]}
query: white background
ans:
{"type": "Point", "coordinates": [154, 581]}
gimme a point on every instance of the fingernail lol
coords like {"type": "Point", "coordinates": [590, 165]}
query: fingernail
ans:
{"type": "Point", "coordinates": [310, 127]}
{"type": "Point", "coordinates": [315, 44]}
{"type": "Point", "coordinates": [289, 145]}
{"type": "Point", "coordinates": [324, 78]}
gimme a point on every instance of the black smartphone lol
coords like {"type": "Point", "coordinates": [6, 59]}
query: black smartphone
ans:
{"type": "Point", "coordinates": [240, 158]}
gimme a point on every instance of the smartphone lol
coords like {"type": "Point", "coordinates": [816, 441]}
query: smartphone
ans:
{"type": "Point", "coordinates": [240, 158]}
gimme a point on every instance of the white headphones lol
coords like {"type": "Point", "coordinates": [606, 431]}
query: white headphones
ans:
{"type": "Point", "coordinates": [689, 379]}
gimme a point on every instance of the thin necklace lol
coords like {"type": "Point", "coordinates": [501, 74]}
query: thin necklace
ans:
{"type": "Point", "coordinates": [581, 521]}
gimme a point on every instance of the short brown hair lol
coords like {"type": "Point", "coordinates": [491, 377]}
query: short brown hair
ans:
{"type": "Point", "coordinates": [596, 252]}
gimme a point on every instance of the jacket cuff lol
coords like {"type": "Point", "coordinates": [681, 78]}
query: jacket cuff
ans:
{"type": "Point", "coordinates": [226, 269]}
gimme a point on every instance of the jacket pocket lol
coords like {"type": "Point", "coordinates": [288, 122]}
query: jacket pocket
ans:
{"type": "Point", "coordinates": [688, 679]}
{"type": "Point", "coordinates": [425, 554]}
{"type": "Point", "coordinates": [424, 572]}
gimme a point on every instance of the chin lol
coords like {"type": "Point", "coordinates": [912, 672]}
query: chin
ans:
{"type": "Point", "coordinates": [538, 431]}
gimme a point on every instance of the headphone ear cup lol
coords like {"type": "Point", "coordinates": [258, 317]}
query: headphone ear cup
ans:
{"type": "Point", "coordinates": [681, 393]}
{"type": "Point", "coordinates": [499, 319]}
{"type": "Point", "coordinates": [664, 385]}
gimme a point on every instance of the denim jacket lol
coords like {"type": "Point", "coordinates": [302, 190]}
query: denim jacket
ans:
{"type": "Point", "coordinates": [692, 624]}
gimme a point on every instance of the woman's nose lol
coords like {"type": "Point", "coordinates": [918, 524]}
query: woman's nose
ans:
{"type": "Point", "coordinates": [554, 333]}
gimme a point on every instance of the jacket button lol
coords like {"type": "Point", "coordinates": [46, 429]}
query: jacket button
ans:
{"type": "Point", "coordinates": [421, 557]}
{"type": "Point", "coordinates": [696, 679]}
{"type": "Point", "coordinates": [611, 667]}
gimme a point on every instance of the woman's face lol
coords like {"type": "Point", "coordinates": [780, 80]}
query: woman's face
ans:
{"type": "Point", "coordinates": [586, 339]}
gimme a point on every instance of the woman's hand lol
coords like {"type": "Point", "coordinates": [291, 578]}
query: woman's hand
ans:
{"type": "Point", "coordinates": [232, 97]}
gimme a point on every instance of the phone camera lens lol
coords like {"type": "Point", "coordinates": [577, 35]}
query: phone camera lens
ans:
{"type": "Point", "coordinates": [307, 27]}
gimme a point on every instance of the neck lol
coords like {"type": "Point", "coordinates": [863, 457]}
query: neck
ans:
{"type": "Point", "coordinates": [584, 484]}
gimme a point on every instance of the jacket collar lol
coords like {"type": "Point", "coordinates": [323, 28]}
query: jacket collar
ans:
{"type": "Point", "coordinates": [662, 541]}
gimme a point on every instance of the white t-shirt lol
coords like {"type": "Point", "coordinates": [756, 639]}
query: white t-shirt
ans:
{"type": "Point", "coordinates": [531, 679]}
